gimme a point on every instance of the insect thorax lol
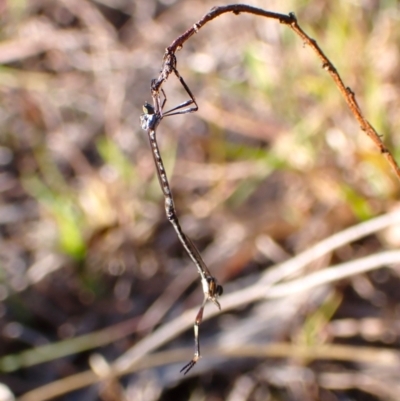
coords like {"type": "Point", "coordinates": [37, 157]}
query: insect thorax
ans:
{"type": "Point", "coordinates": [149, 121]}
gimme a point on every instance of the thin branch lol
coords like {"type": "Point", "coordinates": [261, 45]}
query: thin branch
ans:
{"type": "Point", "coordinates": [335, 241]}
{"type": "Point", "coordinates": [382, 357]}
{"type": "Point", "coordinates": [169, 65]}
{"type": "Point", "coordinates": [334, 273]}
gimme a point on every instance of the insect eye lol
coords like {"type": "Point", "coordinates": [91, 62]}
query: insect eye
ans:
{"type": "Point", "coordinates": [148, 108]}
{"type": "Point", "coordinates": [214, 287]}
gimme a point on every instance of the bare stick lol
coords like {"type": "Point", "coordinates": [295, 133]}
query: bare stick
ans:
{"type": "Point", "coordinates": [169, 65]}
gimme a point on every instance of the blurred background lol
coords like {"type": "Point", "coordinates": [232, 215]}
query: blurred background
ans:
{"type": "Point", "coordinates": [271, 164]}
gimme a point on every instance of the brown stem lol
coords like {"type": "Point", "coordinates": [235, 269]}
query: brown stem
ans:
{"type": "Point", "coordinates": [169, 65]}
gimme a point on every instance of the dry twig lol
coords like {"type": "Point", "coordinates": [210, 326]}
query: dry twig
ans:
{"type": "Point", "coordinates": [169, 65]}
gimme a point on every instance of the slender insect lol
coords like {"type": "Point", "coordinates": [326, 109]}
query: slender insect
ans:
{"type": "Point", "coordinates": [150, 119]}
